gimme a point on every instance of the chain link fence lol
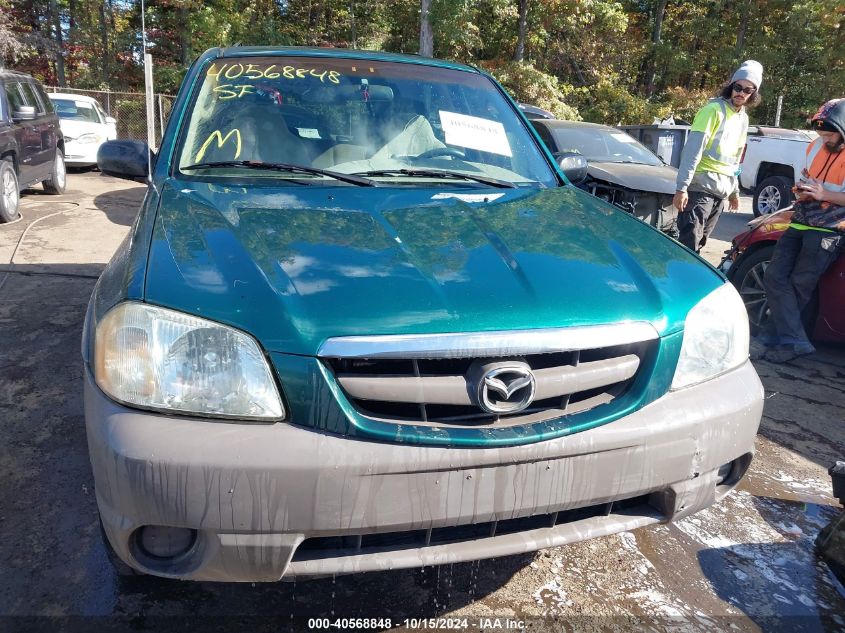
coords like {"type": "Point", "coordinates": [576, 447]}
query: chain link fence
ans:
{"type": "Point", "coordinates": [130, 110]}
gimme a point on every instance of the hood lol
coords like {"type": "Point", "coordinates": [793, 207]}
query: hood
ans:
{"type": "Point", "coordinates": [655, 179]}
{"type": "Point", "coordinates": [75, 129]}
{"type": "Point", "coordinates": [296, 265]}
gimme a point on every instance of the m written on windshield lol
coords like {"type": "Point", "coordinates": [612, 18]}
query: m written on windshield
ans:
{"type": "Point", "coordinates": [707, 175]}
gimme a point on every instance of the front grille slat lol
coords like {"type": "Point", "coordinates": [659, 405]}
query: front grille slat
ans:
{"type": "Point", "coordinates": [416, 389]}
{"type": "Point", "coordinates": [445, 391]}
{"type": "Point", "coordinates": [560, 381]}
{"type": "Point", "coordinates": [551, 382]}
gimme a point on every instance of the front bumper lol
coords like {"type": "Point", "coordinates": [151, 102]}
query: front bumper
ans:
{"type": "Point", "coordinates": [81, 154]}
{"type": "Point", "coordinates": [255, 492]}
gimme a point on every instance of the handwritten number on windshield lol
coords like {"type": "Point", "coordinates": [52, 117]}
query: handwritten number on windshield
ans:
{"type": "Point", "coordinates": [254, 71]}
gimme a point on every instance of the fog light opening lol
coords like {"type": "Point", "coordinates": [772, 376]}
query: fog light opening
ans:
{"type": "Point", "coordinates": [162, 543]}
{"type": "Point", "coordinates": [729, 474]}
{"type": "Point", "coordinates": [724, 473]}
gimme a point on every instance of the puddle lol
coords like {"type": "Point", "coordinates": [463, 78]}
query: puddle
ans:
{"type": "Point", "coordinates": [757, 554]}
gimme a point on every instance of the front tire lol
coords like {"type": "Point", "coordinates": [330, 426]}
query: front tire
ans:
{"type": "Point", "coordinates": [748, 280]}
{"type": "Point", "coordinates": [58, 177]}
{"type": "Point", "coordinates": [9, 192]}
{"type": "Point", "coordinates": [773, 194]}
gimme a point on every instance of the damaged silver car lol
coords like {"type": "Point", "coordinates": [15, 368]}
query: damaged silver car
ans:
{"type": "Point", "coordinates": [620, 169]}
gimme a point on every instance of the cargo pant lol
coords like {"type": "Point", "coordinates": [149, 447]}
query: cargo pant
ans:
{"type": "Point", "coordinates": [799, 260]}
{"type": "Point", "coordinates": [698, 220]}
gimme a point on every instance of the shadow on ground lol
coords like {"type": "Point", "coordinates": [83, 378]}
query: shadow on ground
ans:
{"type": "Point", "coordinates": [804, 402]}
{"type": "Point", "coordinates": [730, 225]}
{"type": "Point", "coordinates": [122, 206]}
{"type": "Point", "coordinates": [781, 586]}
{"type": "Point", "coordinates": [393, 595]}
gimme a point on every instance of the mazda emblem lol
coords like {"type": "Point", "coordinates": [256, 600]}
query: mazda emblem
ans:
{"type": "Point", "coordinates": [506, 387]}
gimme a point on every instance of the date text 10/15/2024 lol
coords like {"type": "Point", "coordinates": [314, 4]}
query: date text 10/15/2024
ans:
{"type": "Point", "coordinates": [480, 624]}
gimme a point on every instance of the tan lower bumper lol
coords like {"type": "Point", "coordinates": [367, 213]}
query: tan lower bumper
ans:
{"type": "Point", "coordinates": [254, 493]}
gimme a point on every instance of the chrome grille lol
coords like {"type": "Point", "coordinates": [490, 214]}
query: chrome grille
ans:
{"type": "Point", "coordinates": [445, 388]}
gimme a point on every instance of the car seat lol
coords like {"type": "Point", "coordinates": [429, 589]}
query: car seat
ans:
{"type": "Point", "coordinates": [265, 136]}
{"type": "Point", "coordinates": [340, 153]}
{"type": "Point", "coordinates": [416, 137]}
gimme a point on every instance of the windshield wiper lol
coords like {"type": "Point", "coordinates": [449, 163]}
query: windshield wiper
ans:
{"type": "Point", "coordinates": [627, 162]}
{"type": "Point", "coordinates": [439, 173]}
{"type": "Point", "coordinates": [297, 169]}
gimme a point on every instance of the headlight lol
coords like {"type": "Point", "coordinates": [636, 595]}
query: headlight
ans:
{"type": "Point", "coordinates": [161, 359]}
{"type": "Point", "coordinates": [715, 338]}
{"type": "Point", "coordinates": [90, 138]}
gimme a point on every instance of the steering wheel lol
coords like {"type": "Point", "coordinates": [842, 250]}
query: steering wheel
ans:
{"type": "Point", "coordinates": [441, 151]}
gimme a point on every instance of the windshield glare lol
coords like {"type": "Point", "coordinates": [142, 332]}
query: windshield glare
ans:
{"type": "Point", "coordinates": [356, 116]}
{"type": "Point", "coordinates": [75, 110]}
{"type": "Point", "coordinates": [599, 144]}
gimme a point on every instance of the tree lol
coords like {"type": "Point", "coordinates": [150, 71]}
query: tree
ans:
{"type": "Point", "coordinates": [530, 85]}
{"type": "Point", "coordinates": [426, 34]}
{"type": "Point", "coordinates": [58, 50]}
{"type": "Point", "coordinates": [608, 60]}
{"type": "Point", "coordinates": [12, 46]}
{"type": "Point", "coordinates": [519, 54]}
{"type": "Point", "coordinates": [649, 61]}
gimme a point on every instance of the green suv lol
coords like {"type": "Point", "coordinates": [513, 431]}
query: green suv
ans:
{"type": "Point", "coordinates": [364, 321]}
{"type": "Point", "coordinates": [31, 143]}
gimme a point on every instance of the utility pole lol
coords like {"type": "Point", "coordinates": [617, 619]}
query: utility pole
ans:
{"type": "Point", "coordinates": [148, 91]}
{"type": "Point", "coordinates": [150, 99]}
{"type": "Point", "coordinates": [352, 16]}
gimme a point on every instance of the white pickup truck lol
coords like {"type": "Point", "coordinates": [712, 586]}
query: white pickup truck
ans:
{"type": "Point", "coordinates": [772, 161]}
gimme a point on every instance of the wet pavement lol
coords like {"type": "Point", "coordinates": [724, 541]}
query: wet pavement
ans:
{"type": "Point", "coordinates": [746, 564]}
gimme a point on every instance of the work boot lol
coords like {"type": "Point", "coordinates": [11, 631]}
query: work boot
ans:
{"type": "Point", "coordinates": [757, 349]}
{"type": "Point", "coordinates": [760, 344]}
{"type": "Point", "coordinates": [785, 353]}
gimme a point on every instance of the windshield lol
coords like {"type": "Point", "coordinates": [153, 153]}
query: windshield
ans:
{"type": "Point", "coordinates": [76, 110]}
{"type": "Point", "coordinates": [356, 116]}
{"type": "Point", "coordinates": [599, 144]}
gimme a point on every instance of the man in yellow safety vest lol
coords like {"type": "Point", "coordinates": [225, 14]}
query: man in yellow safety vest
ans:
{"type": "Point", "coordinates": [707, 175]}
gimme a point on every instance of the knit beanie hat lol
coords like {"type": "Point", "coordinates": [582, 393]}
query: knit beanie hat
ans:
{"type": "Point", "coordinates": [830, 117]}
{"type": "Point", "coordinates": [750, 71]}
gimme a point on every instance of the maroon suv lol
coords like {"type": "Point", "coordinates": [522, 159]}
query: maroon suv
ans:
{"type": "Point", "coordinates": [746, 262]}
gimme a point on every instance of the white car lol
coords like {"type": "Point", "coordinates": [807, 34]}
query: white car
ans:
{"type": "Point", "coordinates": [85, 127]}
{"type": "Point", "coordinates": [771, 164]}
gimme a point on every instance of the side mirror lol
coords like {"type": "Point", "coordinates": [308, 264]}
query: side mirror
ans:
{"type": "Point", "coordinates": [574, 166]}
{"type": "Point", "coordinates": [125, 159]}
{"type": "Point", "coordinates": [111, 120]}
{"type": "Point", "coordinates": [24, 113]}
